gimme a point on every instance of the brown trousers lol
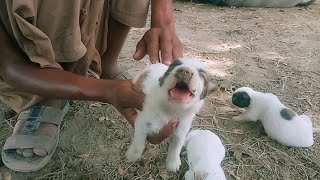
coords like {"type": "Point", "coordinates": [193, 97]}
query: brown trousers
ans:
{"type": "Point", "coordinates": [50, 32]}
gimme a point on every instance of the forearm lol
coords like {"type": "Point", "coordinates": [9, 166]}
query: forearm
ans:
{"type": "Point", "coordinates": [24, 75]}
{"type": "Point", "coordinates": [53, 83]}
{"type": "Point", "coordinates": [162, 13]}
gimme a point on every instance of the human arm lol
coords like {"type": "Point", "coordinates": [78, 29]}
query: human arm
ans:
{"type": "Point", "coordinates": [161, 36]}
{"type": "Point", "coordinates": [21, 73]}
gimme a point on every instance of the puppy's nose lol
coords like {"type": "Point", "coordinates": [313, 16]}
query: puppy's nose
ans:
{"type": "Point", "coordinates": [184, 73]}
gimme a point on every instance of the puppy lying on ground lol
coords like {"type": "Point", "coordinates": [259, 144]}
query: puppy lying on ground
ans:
{"type": "Point", "coordinates": [259, 3]}
{"type": "Point", "coordinates": [205, 152]}
{"type": "Point", "coordinates": [174, 91]}
{"type": "Point", "coordinates": [279, 122]}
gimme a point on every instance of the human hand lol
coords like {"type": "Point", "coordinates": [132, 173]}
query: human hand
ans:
{"type": "Point", "coordinates": [165, 132]}
{"type": "Point", "coordinates": [159, 39]}
{"type": "Point", "coordinates": [126, 100]}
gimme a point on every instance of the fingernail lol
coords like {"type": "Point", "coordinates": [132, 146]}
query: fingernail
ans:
{"type": "Point", "coordinates": [166, 62]}
{"type": "Point", "coordinates": [175, 122]}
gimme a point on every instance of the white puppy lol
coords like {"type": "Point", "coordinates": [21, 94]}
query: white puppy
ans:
{"type": "Point", "coordinates": [279, 122]}
{"type": "Point", "coordinates": [174, 91]}
{"type": "Point", "coordinates": [205, 152]}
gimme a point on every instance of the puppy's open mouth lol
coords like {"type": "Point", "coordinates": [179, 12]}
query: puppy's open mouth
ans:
{"type": "Point", "coordinates": [181, 92]}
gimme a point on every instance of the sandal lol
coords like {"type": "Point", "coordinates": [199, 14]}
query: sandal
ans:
{"type": "Point", "coordinates": [28, 139]}
{"type": "Point", "coordinates": [122, 75]}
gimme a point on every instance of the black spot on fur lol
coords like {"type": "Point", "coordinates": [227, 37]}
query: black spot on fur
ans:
{"type": "Point", "coordinates": [210, 85]}
{"type": "Point", "coordinates": [241, 99]}
{"type": "Point", "coordinates": [306, 4]}
{"type": "Point", "coordinates": [203, 75]}
{"type": "Point", "coordinates": [174, 64]}
{"type": "Point", "coordinates": [287, 114]}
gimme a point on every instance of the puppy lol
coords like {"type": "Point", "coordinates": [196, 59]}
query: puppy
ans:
{"type": "Point", "coordinates": [259, 3]}
{"type": "Point", "coordinates": [279, 122]}
{"type": "Point", "coordinates": [205, 152]}
{"type": "Point", "coordinates": [174, 91]}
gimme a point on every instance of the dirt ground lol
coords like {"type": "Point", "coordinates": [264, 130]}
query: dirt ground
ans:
{"type": "Point", "coordinates": [271, 50]}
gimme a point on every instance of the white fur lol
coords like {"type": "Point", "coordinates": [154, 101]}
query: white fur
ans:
{"type": "Point", "coordinates": [205, 152]}
{"type": "Point", "coordinates": [297, 132]}
{"type": "Point", "coordinates": [158, 110]}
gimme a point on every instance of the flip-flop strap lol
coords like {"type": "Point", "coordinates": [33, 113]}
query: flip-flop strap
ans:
{"type": "Point", "coordinates": [125, 74]}
{"type": "Point", "coordinates": [26, 141]}
{"type": "Point", "coordinates": [37, 114]}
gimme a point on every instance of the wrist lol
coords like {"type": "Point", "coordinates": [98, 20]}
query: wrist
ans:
{"type": "Point", "coordinates": [162, 14]}
{"type": "Point", "coordinates": [98, 90]}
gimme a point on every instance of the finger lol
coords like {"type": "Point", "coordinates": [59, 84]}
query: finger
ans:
{"type": "Point", "coordinates": [130, 114]}
{"type": "Point", "coordinates": [141, 50]}
{"type": "Point", "coordinates": [166, 50]}
{"type": "Point", "coordinates": [169, 128]}
{"type": "Point", "coordinates": [138, 100]}
{"type": "Point", "coordinates": [164, 133]}
{"type": "Point", "coordinates": [177, 51]}
{"type": "Point", "coordinates": [153, 47]}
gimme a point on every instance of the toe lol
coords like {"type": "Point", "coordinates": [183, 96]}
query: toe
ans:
{"type": "Point", "coordinates": [40, 152]}
{"type": "Point", "coordinates": [19, 151]}
{"type": "Point", "coordinates": [27, 152]}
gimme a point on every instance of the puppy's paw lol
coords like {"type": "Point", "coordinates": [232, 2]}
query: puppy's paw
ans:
{"type": "Point", "coordinates": [189, 175]}
{"type": "Point", "coordinates": [237, 118]}
{"type": "Point", "coordinates": [173, 164]}
{"type": "Point", "coordinates": [133, 154]}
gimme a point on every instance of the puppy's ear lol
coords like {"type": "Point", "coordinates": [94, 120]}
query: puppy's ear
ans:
{"type": "Point", "coordinates": [210, 85]}
{"type": "Point", "coordinates": [139, 84]}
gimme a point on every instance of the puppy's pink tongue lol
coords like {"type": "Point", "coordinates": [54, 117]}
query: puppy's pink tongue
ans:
{"type": "Point", "coordinates": [179, 94]}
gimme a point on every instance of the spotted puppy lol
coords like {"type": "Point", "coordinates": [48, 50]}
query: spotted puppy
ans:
{"type": "Point", "coordinates": [174, 91]}
{"type": "Point", "coordinates": [280, 123]}
{"type": "Point", "coordinates": [205, 152]}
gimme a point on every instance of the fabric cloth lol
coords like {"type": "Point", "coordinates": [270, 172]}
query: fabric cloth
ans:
{"type": "Point", "coordinates": [51, 32]}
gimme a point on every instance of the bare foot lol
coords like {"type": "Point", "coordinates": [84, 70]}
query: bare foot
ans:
{"type": "Point", "coordinates": [45, 129]}
{"type": "Point", "coordinates": [111, 72]}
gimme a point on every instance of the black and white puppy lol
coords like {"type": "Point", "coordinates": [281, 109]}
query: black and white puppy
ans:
{"type": "Point", "coordinates": [175, 91]}
{"type": "Point", "coordinates": [279, 122]}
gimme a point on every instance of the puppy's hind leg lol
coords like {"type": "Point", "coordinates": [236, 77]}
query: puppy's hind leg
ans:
{"type": "Point", "coordinates": [137, 145]}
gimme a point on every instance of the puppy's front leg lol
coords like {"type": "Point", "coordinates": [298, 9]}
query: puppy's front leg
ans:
{"type": "Point", "coordinates": [247, 116]}
{"type": "Point", "coordinates": [176, 143]}
{"type": "Point", "coordinates": [189, 175]}
{"type": "Point", "coordinates": [137, 146]}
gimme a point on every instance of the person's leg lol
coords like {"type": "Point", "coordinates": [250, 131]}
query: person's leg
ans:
{"type": "Point", "coordinates": [115, 27]}
{"type": "Point", "coordinates": [45, 129]}
{"type": "Point", "coordinates": [117, 34]}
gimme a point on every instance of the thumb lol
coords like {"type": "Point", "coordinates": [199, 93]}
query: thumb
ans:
{"type": "Point", "coordinates": [174, 122]}
{"type": "Point", "coordinates": [170, 127]}
{"type": "Point", "coordinates": [141, 50]}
